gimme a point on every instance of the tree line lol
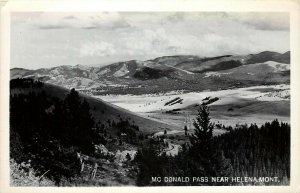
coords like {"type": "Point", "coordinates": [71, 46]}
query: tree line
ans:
{"type": "Point", "coordinates": [244, 151]}
{"type": "Point", "coordinates": [49, 131]}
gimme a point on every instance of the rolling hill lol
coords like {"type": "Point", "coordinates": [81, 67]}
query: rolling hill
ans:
{"type": "Point", "coordinates": [101, 111]}
{"type": "Point", "coordinates": [167, 73]}
{"type": "Point", "coordinates": [269, 56]}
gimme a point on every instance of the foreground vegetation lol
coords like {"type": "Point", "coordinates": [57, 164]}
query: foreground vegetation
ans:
{"type": "Point", "coordinates": [47, 133]}
{"type": "Point", "coordinates": [23, 175]}
{"type": "Point", "coordinates": [250, 151]}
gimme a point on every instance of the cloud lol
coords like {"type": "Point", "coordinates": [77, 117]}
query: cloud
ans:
{"type": "Point", "coordinates": [49, 27]}
{"type": "Point", "coordinates": [99, 49]}
{"type": "Point", "coordinates": [99, 24]}
{"type": "Point", "coordinates": [112, 36]}
{"type": "Point", "coordinates": [115, 20]}
{"type": "Point", "coordinates": [145, 42]}
{"type": "Point", "coordinates": [264, 21]}
{"type": "Point", "coordinates": [101, 20]}
{"type": "Point", "coordinates": [70, 17]}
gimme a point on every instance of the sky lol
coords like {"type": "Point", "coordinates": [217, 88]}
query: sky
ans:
{"type": "Point", "coordinates": [49, 39]}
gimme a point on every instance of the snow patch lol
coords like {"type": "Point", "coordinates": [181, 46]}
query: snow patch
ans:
{"type": "Point", "coordinates": [150, 103]}
{"type": "Point", "coordinates": [104, 71]}
{"type": "Point", "coordinates": [81, 67]}
{"type": "Point", "coordinates": [275, 96]}
{"type": "Point", "coordinates": [54, 72]}
{"type": "Point", "coordinates": [278, 67]}
{"type": "Point", "coordinates": [188, 72]}
{"type": "Point", "coordinates": [122, 72]}
{"type": "Point", "coordinates": [147, 63]}
{"type": "Point", "coordinates": [209, 74]}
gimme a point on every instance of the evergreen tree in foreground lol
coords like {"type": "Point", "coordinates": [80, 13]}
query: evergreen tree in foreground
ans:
{"type": "Point", "coordinates": [203, 127]}
{"type": "Point", "coordinates": [78, 120]}
{"type": "Point", "coordinates": [243, 151]}
{"type": "Point", "coordinates": [201, 152]}
{"type": "Point", "coordinates": [49, 131]}
{"type": "Point", "coordinates": [207, 160]}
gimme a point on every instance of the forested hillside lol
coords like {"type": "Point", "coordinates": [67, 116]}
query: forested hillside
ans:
{"type": "Point", "coordinates": [48, 130]}
{"type": "Point", "coordinates": [47, 133]}
{"type": "Point", "coordinates": [249, 151]}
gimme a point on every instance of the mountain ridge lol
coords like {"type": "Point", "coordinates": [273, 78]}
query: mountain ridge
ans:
{"type": "Point", "coordinates": [179, 71]}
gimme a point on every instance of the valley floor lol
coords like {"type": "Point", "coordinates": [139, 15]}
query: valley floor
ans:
{"type": "Point", "coordinates": [256, 104]}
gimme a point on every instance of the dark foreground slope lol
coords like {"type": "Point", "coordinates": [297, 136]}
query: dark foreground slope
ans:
{"type": "Point", "coordinates": [49, 126]}
{"type": "Point", "coordinates": [101, 111]}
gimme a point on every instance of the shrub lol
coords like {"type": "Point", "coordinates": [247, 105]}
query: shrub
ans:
{"type": "Point", "coordinates": [23, 175]}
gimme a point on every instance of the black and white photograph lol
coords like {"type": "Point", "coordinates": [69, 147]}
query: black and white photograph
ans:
{"type": "Point", "coordinates": [142, 99]}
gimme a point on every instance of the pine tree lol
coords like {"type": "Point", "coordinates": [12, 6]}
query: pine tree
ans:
{"type": "Point", "coordinates": [185, 130]}
{"type": "Point", "coordinates": [86, 119]}
{"type": "Point", "coordinates": [201, 149]}
{"type": "Point", "coordinates": [72, 105]}
{"type": "Point", "coordinates": [203, 127]}
{"type": "Point", "coordinates": [78, 121]}
{"type": "Point", "coordinates": [222, 165]}
{"type": "Point", "coordinates": [73, 101]}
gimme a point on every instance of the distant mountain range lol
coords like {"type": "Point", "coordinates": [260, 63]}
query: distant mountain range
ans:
{"type": "Point", "coordinates": [167, 73]}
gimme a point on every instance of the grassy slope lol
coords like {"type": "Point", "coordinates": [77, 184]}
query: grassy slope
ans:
{"type": "Point", "coordinates": [102, 111]}
{"type": "Point", "coordinates": [248, 107]}
{"type": "Point", "coordinates": [244, 111]}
